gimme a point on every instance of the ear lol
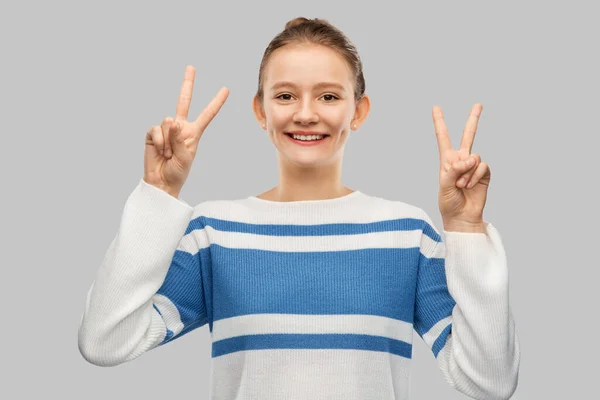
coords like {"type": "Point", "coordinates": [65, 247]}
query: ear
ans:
{"type": "Point", "coordinates": [259, 112]}
{"type": "Point", "coordinates": [363, 106]}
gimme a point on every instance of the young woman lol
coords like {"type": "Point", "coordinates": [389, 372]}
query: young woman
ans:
{"type": "Point", "coordinates": [311, 290]}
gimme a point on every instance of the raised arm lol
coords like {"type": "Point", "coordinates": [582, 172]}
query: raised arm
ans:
{"type": "Point", "coordinates": [150, 286]}
{"type": "Point", "coordinates": [463, 314]}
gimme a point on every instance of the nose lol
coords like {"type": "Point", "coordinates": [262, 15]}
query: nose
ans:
{"type": "Point", "coordinates": [306, 113]}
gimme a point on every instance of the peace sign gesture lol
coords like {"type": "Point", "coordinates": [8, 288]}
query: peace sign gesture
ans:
{"type": "Point", "coordinates": [464, 178]}
{"type": "Point", "coordinates": [172, 146]}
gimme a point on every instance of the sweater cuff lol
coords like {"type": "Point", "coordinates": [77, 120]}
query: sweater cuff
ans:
{"type": "Point", "coordinates": [476, 260]}
{"type": "Point", "coordinates": [147, 189]}
{"type": "Point", "coordinates": [153, 208]}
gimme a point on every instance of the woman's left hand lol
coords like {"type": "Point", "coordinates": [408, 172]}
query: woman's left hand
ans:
{"type": "Point", "coordinates": [463, 186]}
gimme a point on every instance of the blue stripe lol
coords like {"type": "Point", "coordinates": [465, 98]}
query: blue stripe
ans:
{"type": "Point", "coordinates": [433, 301]}
{"type": "Point", "coordinates": [368, 281]}
{"type": "Point", "coordinates": [311, 341]}
{"type": "Point", "coordinates": [402, 224]}
{"type": "Point", "coordinates": [430, 231]}
{"type": "Point", "coordinates": [441, 340]}
{"type": "Point", "coordinates": [183, 286]}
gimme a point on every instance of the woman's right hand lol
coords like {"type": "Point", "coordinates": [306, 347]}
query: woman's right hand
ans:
{"type": "Point", "coordinates": [171, 147]}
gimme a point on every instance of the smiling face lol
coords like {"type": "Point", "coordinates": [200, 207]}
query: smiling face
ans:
{"type": "Point", "coordinates": [309, 89]}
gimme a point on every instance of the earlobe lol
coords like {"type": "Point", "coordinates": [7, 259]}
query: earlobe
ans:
{"type": "Point", "coordinates": [362, 111]}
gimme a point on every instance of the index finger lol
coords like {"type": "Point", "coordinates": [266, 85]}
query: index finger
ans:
{"type": "Point", "coordinates": [185, 95]}
{"type": "Point", "coordinates": [211, 110]}
{"type": "Point", "coordinates": [441, 131]}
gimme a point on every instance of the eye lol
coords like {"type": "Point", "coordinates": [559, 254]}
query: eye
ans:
{"type": "Point", "coordinates": [331, 95]}
{"type": "Point", "coordinates": [283, 94]}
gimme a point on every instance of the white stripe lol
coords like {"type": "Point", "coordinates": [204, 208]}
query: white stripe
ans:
{"type": "Point", "coordinates": [198, 239]}
{"type": "Point", "coordinates": [393, 239]}
{"type": "Point", "coordinates": [169, 313]}
{"type": "Point", "coordinates": [255, 324]}
{"type": "Point", "coordinates": [431, 336]}
{"type": "Point", "coordinates": [430, 248]}
{"type": "Point", "coordinates": [194, 241]}
{"type": "Point", "coordinates": [440, 251]}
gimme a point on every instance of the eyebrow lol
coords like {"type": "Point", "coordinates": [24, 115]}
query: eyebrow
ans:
{"type": "Point", "coordinates": [318, 85]}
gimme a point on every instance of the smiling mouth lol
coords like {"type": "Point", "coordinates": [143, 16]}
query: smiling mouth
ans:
{"type": "Point", "coordinates": [306, 140]}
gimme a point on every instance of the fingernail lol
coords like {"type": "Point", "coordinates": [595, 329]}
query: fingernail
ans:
{"type": "Point", "coordinates": [470, 161]}
{"type": "Point", "coordinates": [461, 181]}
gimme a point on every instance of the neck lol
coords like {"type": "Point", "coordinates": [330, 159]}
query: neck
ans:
{"type": "Point", "coordinates": [298, 183]}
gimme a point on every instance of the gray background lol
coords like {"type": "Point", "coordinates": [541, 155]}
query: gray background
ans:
{"type": "Point", "coordinates": [82, 82]}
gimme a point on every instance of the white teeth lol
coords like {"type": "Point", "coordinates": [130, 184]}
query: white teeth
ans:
{"type": "Point", "coordinates": [307, 137]}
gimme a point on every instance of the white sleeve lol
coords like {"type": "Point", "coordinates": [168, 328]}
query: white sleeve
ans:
{"type": "Point", "coordinates": [121, 318]}
{"type": "Point", "coordinates": [472, 334]}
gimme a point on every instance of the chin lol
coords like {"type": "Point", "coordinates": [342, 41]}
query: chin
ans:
{"type": "Point", "coordinates": [309, 160]}
{"type": "Point", "coordinates": [305, 162]}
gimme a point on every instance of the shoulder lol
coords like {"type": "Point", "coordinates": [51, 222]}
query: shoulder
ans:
{"type": "Point", "coordinates": [227, 209]}
{"type": "Point", "coordinates": [414, 218]}
{"type": "Point", "coordinates": [396, 209]}
{"type": "Point", "coordinates": [409, 218]}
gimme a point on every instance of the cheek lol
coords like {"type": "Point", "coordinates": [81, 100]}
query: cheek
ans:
{"type": "Point", "coordinates": [279, 117]}
{"type": "Point", "coordinates": [337, 115]}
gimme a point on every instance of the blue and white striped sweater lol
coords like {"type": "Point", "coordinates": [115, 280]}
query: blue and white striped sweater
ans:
{"type": "Point", "coordinates": [310, 299]}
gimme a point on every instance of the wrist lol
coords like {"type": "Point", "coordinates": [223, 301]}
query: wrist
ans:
{"type": "Point", "coordinates": [173, 192]}
{"type": "Point", "coordinates": [464, 226]}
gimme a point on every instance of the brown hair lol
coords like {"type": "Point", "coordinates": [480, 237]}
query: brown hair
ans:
{"type": "Point", "coordinates": [315, 31]}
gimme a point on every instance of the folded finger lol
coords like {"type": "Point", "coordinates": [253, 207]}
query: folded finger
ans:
{"type": "Point", "coordinates": [155, 138]}
{"type": "Point", "coordinates": [166, 126]}
{"type": "Point", "coordinates": [465, 177]}
{"type": "Point", "coordinates": [481, 170]}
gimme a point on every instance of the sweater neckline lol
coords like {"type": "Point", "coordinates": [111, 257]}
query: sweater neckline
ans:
{"type": "Point", "coordinates": [348, 196]}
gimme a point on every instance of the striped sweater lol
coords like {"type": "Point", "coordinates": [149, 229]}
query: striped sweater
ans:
{"type": "Point", "coordinates": [312, 299]}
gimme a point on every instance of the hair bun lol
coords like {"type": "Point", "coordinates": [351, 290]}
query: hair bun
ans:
{"type": "Point", "coordinates": [295, 22]}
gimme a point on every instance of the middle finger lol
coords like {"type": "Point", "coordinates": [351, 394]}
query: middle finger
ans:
{"type": "Point", "coordinates": [185, 95]}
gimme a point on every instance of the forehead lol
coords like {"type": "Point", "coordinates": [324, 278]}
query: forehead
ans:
{"type": "Point", "coordinates": [305, 64]}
